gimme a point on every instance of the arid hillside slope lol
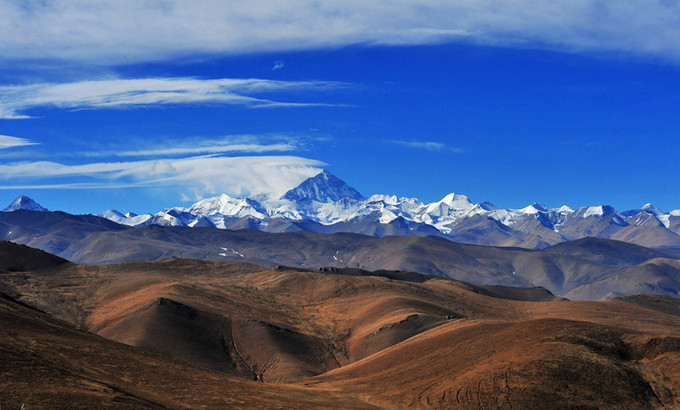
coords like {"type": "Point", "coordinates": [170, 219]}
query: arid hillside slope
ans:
{"type": "Point", "coordinates": [243, 335]}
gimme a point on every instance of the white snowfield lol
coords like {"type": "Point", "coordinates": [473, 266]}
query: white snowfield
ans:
{"type": "Point", "coordinates": [327, 200]}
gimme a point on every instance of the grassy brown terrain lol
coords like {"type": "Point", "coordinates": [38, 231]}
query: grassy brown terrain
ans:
{"type": "Point", "coordinates": [189, 333]}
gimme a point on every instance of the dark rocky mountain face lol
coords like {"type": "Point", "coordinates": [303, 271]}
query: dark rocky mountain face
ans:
{"type": "Point", "coordinates": [324, 187]}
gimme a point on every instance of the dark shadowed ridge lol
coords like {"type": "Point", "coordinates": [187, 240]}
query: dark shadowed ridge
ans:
{"type": "Point", "coordinates": [22, 258]}
{"type": "Point", "coordinates": [660, 303]}
{"type": "Point", "coordinates": [529, 294]}
{"type": "Point", "coordinates": [608, 251]}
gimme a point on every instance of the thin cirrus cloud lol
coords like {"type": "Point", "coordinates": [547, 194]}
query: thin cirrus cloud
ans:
{"type": "Point", "coordinates": [195, 176]}
{"type": "Point", "coordinates": [255, 148]}
{"type": "Point", "coordinates": [427, 145]}
{"type": "Point", "coordinates": [124, 31]}
{"type": "Point", "coordinates": [198, 146]}
{"type": "Point", "coordinates": [15, 100]}
{"type": "Point", "coordinates": [7, 141]}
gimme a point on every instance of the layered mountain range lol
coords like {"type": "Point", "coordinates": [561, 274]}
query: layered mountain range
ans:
{"type": "Point", "coordinates": [589, 268]}
{"type": "Point", "coordinates": [326, 204]}
{"type": "Point", "coordinates": [196, 316]}
{"type": "Point", "coordinates": [590, 253]}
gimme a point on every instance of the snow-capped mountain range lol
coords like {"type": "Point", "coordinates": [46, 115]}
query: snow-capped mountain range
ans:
{"type": "Point", "coordinates": [326, 204]}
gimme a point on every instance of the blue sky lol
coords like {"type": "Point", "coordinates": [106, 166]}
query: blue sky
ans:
{"type": "Point", "coordinates": [140, 106]}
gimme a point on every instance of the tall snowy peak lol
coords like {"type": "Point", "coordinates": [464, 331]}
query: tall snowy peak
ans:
{"type": "Point", "coordinates": [324, 187]}
{"type": "Point", "coordinates": [24, 202]}
{"type": "Point", "coordinates": [535, 208]}
{"type": "Point", "coordinates": [652, 209]}
{"type": "Point", "coordinates": [456, 201]}
{"type": "Point", "coordinates": [450, 203]}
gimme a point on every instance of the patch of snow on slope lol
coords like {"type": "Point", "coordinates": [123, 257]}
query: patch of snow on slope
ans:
{"type": "Point", "coordinates": [229, 251]}
{"type": "Point", "coordinates": [593, 211]}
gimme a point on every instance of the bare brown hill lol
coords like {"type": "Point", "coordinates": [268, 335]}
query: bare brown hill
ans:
{"type": "Point", "coordinates": [238, 334]}
{"type": "Point", "coordinates": [46, 363]}
{"type": "Point", "coordinates": [530, 364]}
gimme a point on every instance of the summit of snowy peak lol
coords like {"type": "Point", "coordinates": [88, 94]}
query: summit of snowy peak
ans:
{"type": "Point", "coordinates": [565, 210]}
{"type": "Point", "coordinates": [675, 212]}
{"type": "Point", "coordinates": [661, 216]}
{"type": "Point", "coordinates": [457, 201]}
{"type": "Point", "coordinates": [446, 211]}
{"type": "Point", "coordinates": [649, 208]}
{"type": "Point", "coordinates": [596, 211]}
{"type": "Point", "coordinates": [324, 187]}
{"type": "Point", "coordinates": [24, 202]}
{"type": "Point", "coordinates": [535, 208]}
{"type": "Point", "coordinates": [451, 202]}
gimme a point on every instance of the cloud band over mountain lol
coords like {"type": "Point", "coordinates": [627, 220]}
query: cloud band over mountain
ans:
{"type": "Point", "coordinates": [192, 177]}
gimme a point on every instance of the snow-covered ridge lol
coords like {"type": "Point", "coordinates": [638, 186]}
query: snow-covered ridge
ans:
{"type": "Point", "coordinates": [324, 203]}
{"type": "Point", "coordinates": [127, 218]}
{"type": "Point", "coordinates": [327, 200]}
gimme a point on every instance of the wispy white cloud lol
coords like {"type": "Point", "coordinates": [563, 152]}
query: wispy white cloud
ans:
{"type": "Point", "coordinates": [151, 148]}
{"type": "Point", "coordinates": [428, 145]}
{"type": "Point", "coordinates": [10, 142]}
{"type": "Point", "coordinates": [120, 93]}
{"type": "Point", "coordinates": [194, 176]}
{"type": "Point", "coordinates": [208, 149]}
{"type": "Point", "coordinates": [196, 146]}
{"type": "Point", "coordinates": [123, 31]}
{"type": "Point", "coordinates": [278, 65]}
